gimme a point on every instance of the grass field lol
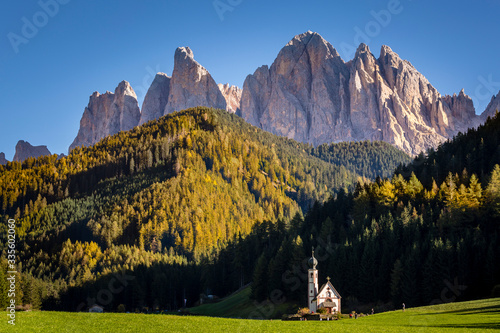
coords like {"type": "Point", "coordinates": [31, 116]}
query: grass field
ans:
{"type": "Point", "coordinates": [239, 305]}
{"type": "Point", "coordinates": [475, 316]}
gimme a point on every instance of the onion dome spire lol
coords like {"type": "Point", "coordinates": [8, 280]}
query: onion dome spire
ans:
{"type": "Point", "coordinates": [312, 261]}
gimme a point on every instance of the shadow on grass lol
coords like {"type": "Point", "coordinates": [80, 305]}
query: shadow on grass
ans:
{"type": "Point", "coordinates": [483, 309]}
{"type": "Point", "coordinates": [489, 326]}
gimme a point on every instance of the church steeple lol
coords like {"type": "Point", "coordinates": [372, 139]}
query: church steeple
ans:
{"type": "Point", "coordinates": [312, 291]}
{"type": "Point", "coordinates": [312, 261]}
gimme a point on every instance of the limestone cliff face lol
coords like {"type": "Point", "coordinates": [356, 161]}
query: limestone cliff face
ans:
{"type": "Point", "coordinates": [108, 114]}
{"type": "Point", "coordinates": [191, 85]}
{"type": "Point", "coordinates": [308, 94]}
{"type": "Point", "coordinates": [25, 150]}
{"type": "Point", "coordinates": [304, 91]}
{"type": "Point", "coordinates": [311, 95]}
{"type": "Point", "coordinates": [156, 98]}
{"type": "Point", "coordinates": [492, 107]}
{"type": "Point", "coordinates": [232, 95]}
{"type": "Point", "coordinates": [3, 160]}
{"type": "Point", "coordinates": [256, 95]}
{"type": "Point", "coordinates": [461, 106]}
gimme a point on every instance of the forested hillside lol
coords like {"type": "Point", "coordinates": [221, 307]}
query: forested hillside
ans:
{"type": "Point", "coordinates": [401, 239]}
{"type": "Point", "coordinates": [368, 159]}
{"type": "Point", "coordinates": [169, 195]}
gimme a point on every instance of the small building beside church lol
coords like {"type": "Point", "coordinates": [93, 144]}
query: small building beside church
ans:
{"type": "Point", "coordinates": [325, 297]}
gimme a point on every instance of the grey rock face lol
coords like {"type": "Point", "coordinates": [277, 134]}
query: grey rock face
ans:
{"type": "Point", "coordinates": [156, 98]}
{"type": "Point", "coordinates": [191, 85]}
{"type": "Point", "coordinates": [232, 95]}
{"type": "Point", "coordinates": [461, 106]}
{"type": "Point", "coordinates": [304, 91]}
{"type": "Point", "coordinates": [3, 160]}
{"type": "Point", "coordinates": [108, 114]}
{"type": "Point", "coordinates": [256, 95]}
{"type": "Point", "coordinates": [25, 150]}
{"type": "Point", "coordinates": [492, 107]}
{"type": "Point", "coordinates": [311, 95]}
{"type": "Point", "coordinates": [304, 95]}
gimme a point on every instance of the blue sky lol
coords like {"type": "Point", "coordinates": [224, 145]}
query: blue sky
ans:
{"type": "Point", "coordinates": [77, 47]}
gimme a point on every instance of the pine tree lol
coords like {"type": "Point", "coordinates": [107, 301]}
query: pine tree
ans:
{"type": "Point", "coordinates": [492, 192]}
{"type": "Point", "coordinates": [414, 187]}
{"type": "Point", "coordinates": [474, 193]}
{"type": "Point", "coordinates": [132, 165]}
{"type": "Point", "coordinates": [409, 279]}
{"type": "Point", "coordinates": [260, 279]}
{"type": "Point", "coordinates": [396, 283]}
{"type": "Point", "coordinates": [367, 273]}
{"type": "Point", "coordinates": [295, 265]}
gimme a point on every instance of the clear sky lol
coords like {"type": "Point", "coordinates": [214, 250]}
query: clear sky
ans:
{"type": "Point", "coordinates": [53, 57]}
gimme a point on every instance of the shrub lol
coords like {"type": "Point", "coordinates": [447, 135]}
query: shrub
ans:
{"type": "Point", "coordinates": [303, 311]}
{"type": "Point", "coordinates": [322, 311]}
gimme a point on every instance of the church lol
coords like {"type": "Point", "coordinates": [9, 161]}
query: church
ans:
{"type": "Point", "coordinates": [326, 296]}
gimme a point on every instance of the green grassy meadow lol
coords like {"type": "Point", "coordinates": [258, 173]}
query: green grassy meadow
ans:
{"type": "Point", "coordinates": [239, 305]}
{"type": "Point", "coordinates": [474, 316]}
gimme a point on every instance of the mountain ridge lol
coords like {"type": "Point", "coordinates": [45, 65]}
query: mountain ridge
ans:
{"type": "Point", "coordinates": [25, 150]}
{"type": "Point", "coordinates": [312, 95]}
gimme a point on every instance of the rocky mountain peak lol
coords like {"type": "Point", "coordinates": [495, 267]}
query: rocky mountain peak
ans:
{"type": "Point", "coordinates": [3, 160]}
{"type": "Point", "coordinates": [184, 62]}
{"type": "Point", "coordinates": [308, 94]}
{"type": "Point", "coordinates": [108, 114]}
{"type": "Point", "coordinates": [25, 150]}
{"type": "Point", "coordinates": [461, 106]}
{"type": "Point", "coordinates": [492, 107]}
{"type": "Point", "coordinates": [309, 48]}
{"type": "Point", "coordinates": [362, 48]}
{"type": "Point", "coordinates": [302, 38]}
{"type": "Point", "coordinates": [385, 49]}
{"type": "Point", "coordinates": [232, 95]}
{"type": "Point", "coordinates": [311, 95]}
{"type": "Point", "coordinates": [124, 89]}
{"type": "Point", "coordinates": [282, 99]}
{"type": "Point", "coordinates": [364, 60]}
{"type": "Point", "coordinates": [156, 98]}
{"type": "Point", "coordinates": [191, 85]}
{"type": "Point", "coordinates": [183, 53]}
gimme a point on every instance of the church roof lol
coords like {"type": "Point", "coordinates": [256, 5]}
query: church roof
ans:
{"type": "Point", "coordinates": [329, 304]}
{"type": "Point", "coordinates": [329, 284]}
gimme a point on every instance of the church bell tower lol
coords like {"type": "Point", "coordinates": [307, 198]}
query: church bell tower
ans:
{"type": "Point", "coordinates": [312, 291]}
